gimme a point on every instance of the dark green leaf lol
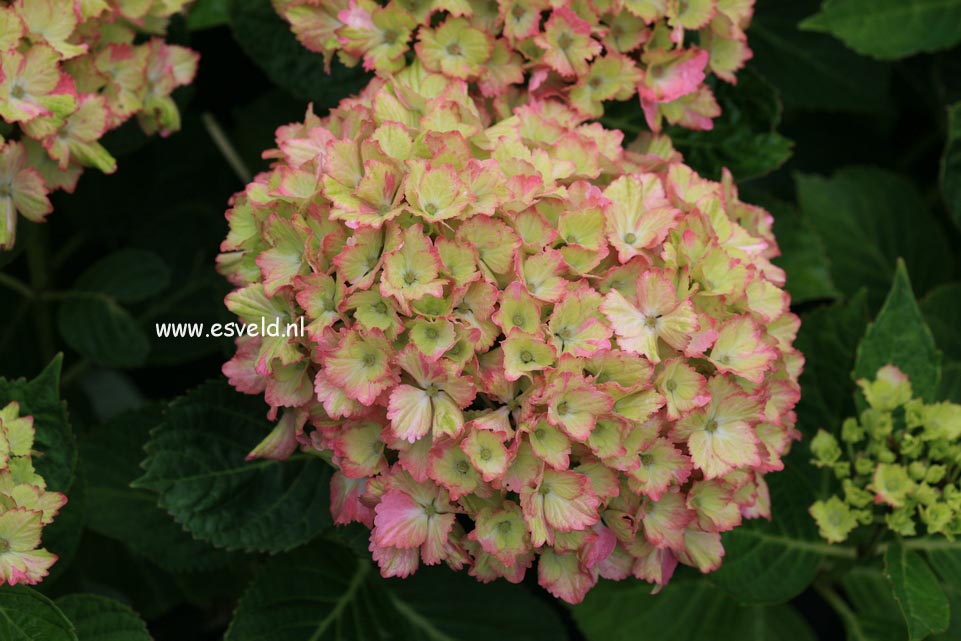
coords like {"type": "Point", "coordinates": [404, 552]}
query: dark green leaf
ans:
{"type": "Point", "coordinates": [803, 257]}
{"type": "Point", "coordinates": [951, 165]}
{"type": "Point", "coordinates": [268, 40]}
{"type": "Point", "coordinates": [767, 562]}
{"type": "Point", "coordinates": [27, 615]}
{"type": "Point", "coordinates": [687, 610]}
{"type": "Point", "coordinates": [811, 70]}
{"type": "Point", "coordinates": [831, 334]}
{"type": "Point", "coordinates": [890, 29]}
{"type": "Point", "coordinates": [950, 389]}
{"type": "Point", "coordinates": [899, 336]}
{"type": "Point", "coordinates": [470, 610]}
{"type": "Point", "coordinates": [98, 618]}
{"type": "Point", "coordinates": [868, 218]}
{"type": "Point", "coordinates": [916, 589]}
{"type": "Point", "coordinates": [942, 311]}
{"type": "Point", "coordinates": [110, 457]}
{"type": "Point", "coordinates": [107, 567]}
{"type": "Point", "coordinates": [110, 392]}
{"type": "Point", "coordinates": [62, 537]}
{"type": "Point", "coordinates": [944, 555]}
{"type": "Point", "coordinates": [205, 14]}
{"type": "Point", "coordinates": [873, 614]}
{"type": "Point", "coordinates": [196, 463]}
{"type": "Point", "coordinates": [744, 138]}
{"type": "Point", "coordinates": [127, 276]}
{"type": "Point", "coordinates": [102, 331]}
{"type": "Point", "coordinates": [324, 592]}
{"type": "Point", "coordinates": [40, 398]}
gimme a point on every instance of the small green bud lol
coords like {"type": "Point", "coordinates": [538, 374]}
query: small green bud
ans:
{"type": "Point", "coordinates": [911, 446]}
{"type": "Point", "coordinates": [851, 431]}
{"type": "Point", "coordinates": [864, 517]}
{"type": "Point", "coordinates": [834, 518]}
{"type": "Point", "coordinates": [890, 389]}
{"type": "Point", "coordinates": [863, 466]}
{"type": "Point", "coordinates": [926, 494]}
{"type": "Point", "coordinates": [825, 448]}
{"type": "Point", "coordinates": [877, 423]}
{"type": "Point", "coordinates": [937, 517]}
{"type": "Point", "coordinates": [914, 413]}
{"type": "Point", "coordinates": [935, 474]}
{"type": "Point", "coordinates": [884, 455]}
{"type": "Point", "coordinates": [952, 496]}
{"type": "Point", "coordinates": [891, 484]}
{"type": "Point", "coordinates": [842, 469]}
{"type": "Point", "coordinates": [901, 521]}
{"type": "Point", "coordinates": [942, 420]}
{"type": "Point", "coordinates": [917, 470]}
{"type": "Point", "coordinates": [856, 496]}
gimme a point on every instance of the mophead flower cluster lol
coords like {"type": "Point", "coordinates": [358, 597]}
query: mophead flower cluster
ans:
{"type": "Point", "coordinates": [523, 342]}
{"type": "Point", "coordinates": [72, 70]}
{"type": "Point", "coordinates": [898, 463]}
{"type": "Point", "coordinates": [25, 504]}
{"type": "Point", "coordinates": [585, 53]}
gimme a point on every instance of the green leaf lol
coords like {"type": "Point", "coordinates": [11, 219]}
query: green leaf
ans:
{"type": "Point", "coordinates": [685, 610]}
{"type": "Point", "coordinates": [40, 398]}
{"type": "Point", "coordinates": [811, 70]}
{"type": "Point", "coordinates": [942, 311]}
{"type": "Point", "coordinates": [768, 562]}
{"type": "Point", "coordinates": [916, 589]}
{"type": "Point", "coordinates": [890, 29]}
{"type": "Point", "coordinates": [205, 14]}
{"type": "Point", "coordinates": [950, 389]}
{"type": "Point", "coordinates": [899, 336]}
{"type": "Point", "coordinates": [108, 567]}
{"type": "Point", "coordinates": [867, 219]}
{"type": "Point", "coordinates": [744, 139]}
{"type": "Point", "coordinates": [873, 613]}
{"type": "Point", "coordinates": [803, 256]}
{"type": "Point", "coordinates": [62, 537]}
{"type": "Point", "coordinates": [27, 615]}
{"type": "Point", "coordinates": [196, 464]}
{"type": "Point", "coordinates": [324, 592]}
{"type": "Point", "coordinates": [944, 555]}
{"type": "Point", "coordinates": [126, 276]}
{"type": "Point", "coordinates": [832, 334]}
{"type": "Point", "coordinates": [110, 457]}
{"type": "Point", "coordinates": [269, 41]}
{"type": "Point", "coordinates": [102, 331]}
{"type": "Point", "coordinates": [98, 618]}
{"type": "Point", "coordinates": [951, 165]}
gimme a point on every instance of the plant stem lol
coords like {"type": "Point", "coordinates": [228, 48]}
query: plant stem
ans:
{"type": "Point", "coordinates": [227, 149]}
{"type": "Point", "coordinates": [839, 605]}
{"type": "Point", "coordinates": [17, 285]}
{"type": "Point", "coordinates": [39, 279]}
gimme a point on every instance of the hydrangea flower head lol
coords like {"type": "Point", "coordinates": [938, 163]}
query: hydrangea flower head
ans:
{"type": "Point", "coordinates": [25, 504]}
{"type": "Point", "coordinates": [69, 72]}
{"type": "Point", "coordinates": [661, 51]}
{"type": "Point", "coordinates": [524, 344]}
{"type": "Point", "coordinates": [898, 463]}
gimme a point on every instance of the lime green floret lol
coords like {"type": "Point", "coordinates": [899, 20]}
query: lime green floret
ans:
{"type": "Point", "coordinates": [898, 462]}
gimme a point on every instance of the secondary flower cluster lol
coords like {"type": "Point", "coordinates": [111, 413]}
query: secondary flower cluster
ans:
{"type": "Point", "coordinates": [586, 53]}
{"type": "Point", "coordinates": [899, 464]}
{"type": "Point", "coordinates": [522, 340]}
{"type": "Point", "coordinates": [70, 72]}
{"type": "Point", "coordinates": [25, 505]}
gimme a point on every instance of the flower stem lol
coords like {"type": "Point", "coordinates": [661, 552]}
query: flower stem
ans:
{"type": "Point", "coordinates": [17, 285]}
{"type": "Point", "coordinates": [226, 148]}
{"type": "Point", "coordinates": [839, 605]}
